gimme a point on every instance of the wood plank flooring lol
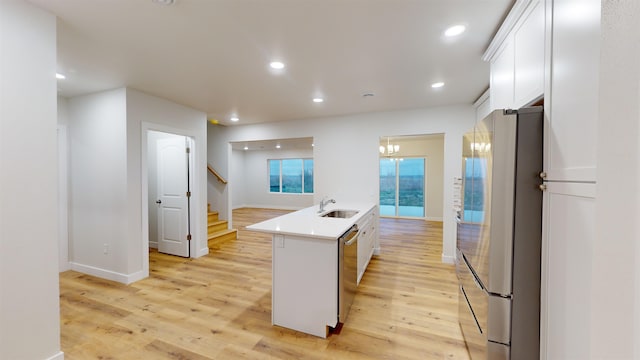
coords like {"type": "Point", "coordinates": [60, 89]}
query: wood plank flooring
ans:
{"type": "Point", "coordinates": [219, 306]}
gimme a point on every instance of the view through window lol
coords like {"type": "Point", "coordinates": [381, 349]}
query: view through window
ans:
{"type": "Point", "coordinates": [402, 187]}
{"type": "Point", "coordinates": [294, 176]}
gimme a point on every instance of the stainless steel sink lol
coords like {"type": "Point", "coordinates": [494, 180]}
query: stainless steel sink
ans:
{"type": "Point", "coordinates": [342, 214]}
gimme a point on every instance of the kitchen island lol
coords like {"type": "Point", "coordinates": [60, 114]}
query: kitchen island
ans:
{"type": "Point", "coordinates": [305, 265]}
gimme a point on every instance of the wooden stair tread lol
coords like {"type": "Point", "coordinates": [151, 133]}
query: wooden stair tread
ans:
{"type": "Point", "coordinates": [217, 222]}
{"type": "Point", "coordinates": [221, 233]}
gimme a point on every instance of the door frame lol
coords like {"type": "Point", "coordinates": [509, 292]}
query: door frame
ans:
{"type": "Point", "coordinates": [194, 183]}
{"type": "Point", "coordinates": [63, 199]}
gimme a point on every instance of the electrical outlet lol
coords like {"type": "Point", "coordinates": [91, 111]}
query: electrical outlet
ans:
{"type": "Point", "coordinates": [106, 249]}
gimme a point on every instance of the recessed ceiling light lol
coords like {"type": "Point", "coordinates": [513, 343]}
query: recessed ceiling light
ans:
{"type": "Point", "coordinates": [437, 85]}
{"type": "Point", "coordinates": [60, 76]}
{"type": "Point", "coordinates": [318, 100]}
{"type": "Point", "coordinates": [278, 146]}
{"type": "Point", "coordinates": [246, 147]}
{"type": "Point", "coordinates": [455, 30]}
{"type": "Point", "coordinates": [234, 118]}
{"type": "Point", "coordinates": [163, 2]}
{"type": "Point", "coordinates": [276, 65]}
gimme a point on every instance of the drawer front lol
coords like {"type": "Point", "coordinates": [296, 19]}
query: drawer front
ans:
{"type": "Point", "coordinates": [475, 340]}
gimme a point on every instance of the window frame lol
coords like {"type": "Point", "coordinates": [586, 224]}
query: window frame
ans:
{"type": "Point", "coordinates": [303, 160]}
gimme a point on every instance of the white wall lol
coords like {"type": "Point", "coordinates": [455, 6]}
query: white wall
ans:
{"type": "Point", "coordinates": [29, 293]}
{"type": "Point", "coordinates": [615, 303]}
{"type": "Point", "coordinates": [108, 167]}
{"type": "Point", "coordinates": [346, 152]}
{"type": "Point", "coordinates": [146, 112]}
{"type": "Point", "coordinates": [251, 180]}
{"type": "Point", "coordinates": [238, 190]}
{"type": "Point", "coordinates": [98, 180]}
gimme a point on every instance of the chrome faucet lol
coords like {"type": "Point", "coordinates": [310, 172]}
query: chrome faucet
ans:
{"type": "Point", "coordinates": [324, 202]}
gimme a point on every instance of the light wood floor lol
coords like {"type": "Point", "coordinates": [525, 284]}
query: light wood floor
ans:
{"type": "Point", "coordinates": [219, 306]}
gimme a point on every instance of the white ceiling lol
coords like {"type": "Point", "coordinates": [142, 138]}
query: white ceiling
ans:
{"type": "Point", "coordinates": [213, 55]}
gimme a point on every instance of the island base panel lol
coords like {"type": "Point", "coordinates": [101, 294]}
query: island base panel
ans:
{"type": "Point", "coordinates": [305, 291]}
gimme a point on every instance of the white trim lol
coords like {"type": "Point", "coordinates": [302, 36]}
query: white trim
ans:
{"type": "Point", "coordinates": [480, 100]}
{"type": "Point", "coordinates": [446, 259]}
{"type": "Point", "coordinates": [63, 199]}
{"type": "Point", "coordinates": [434, 218]}
{"type": "Point", "coordinates": [230, 183]}
{"type": "Point", "coordinates": [153, 244]}
{"type": "Point", "coordinates": [505, 29]}
{"type": "Point", "coordinates": [58, 356]}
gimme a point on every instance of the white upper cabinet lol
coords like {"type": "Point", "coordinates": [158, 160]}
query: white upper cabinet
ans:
{"type": "Point", "coordinates": [517, 57]}
{"type": "Point", "coordinates": [501, 84]}
{"type": "Point", "coordinates": [528, 39]}
{"type": "Point", "coordinates": [571, 104]}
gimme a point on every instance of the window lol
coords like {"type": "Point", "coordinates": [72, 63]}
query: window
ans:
{"type": "Point", "coordinates": [291, 176]}
{"type": "Point", "coordinates": [402, 187]}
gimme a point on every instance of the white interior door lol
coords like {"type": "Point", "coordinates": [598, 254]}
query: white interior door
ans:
{"type": "Point", "coordinates": [172, 196]}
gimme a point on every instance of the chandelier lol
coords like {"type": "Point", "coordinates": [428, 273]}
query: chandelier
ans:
{"type": "Point", "coordinates": [390, 149]}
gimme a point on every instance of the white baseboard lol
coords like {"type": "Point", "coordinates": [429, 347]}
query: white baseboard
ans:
{"type": "Point", "coordinates": [108, 274]}
{"type": "Point", "coordinates": [64, 267]}
{"type": "Point", "coordinates": [448, 259]}
{"type": "Point", "coordinates": [431, 218]}
{"type": "Point", "coordinates": [202, 252]}
{"type": "Point", "coordinates": [136, 276]}
{"type": "Point", "coordinates": [58, 356]}
{"type": "Point", "coordinates": [153, 244]}
{"type": "Point", "coordinates": [376, 251]}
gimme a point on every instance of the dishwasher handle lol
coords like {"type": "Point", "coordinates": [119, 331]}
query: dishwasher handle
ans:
{"type": "Point", "coordinates": [350, 236]}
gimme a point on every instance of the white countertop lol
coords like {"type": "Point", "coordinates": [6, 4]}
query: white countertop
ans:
{"type": "Point", "coordinates": [308, 222]}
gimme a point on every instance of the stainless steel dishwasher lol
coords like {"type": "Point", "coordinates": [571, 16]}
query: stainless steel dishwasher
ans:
{"type": "Point", "coordinates": [347, 271]}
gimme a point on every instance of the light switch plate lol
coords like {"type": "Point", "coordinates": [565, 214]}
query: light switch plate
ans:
{"type": "Point", "coordinates": [279, 241]}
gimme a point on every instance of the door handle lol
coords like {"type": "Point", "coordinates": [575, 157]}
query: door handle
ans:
{"type": "Point", "coordinates": [158, 201]}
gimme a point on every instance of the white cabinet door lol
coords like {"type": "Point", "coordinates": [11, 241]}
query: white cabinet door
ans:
{"type": "Point", "coordinates": [567, 254]}
{"type": "Point", "coordinates": [572, 100]}
{"type": "Point", "coordinates": [364, 244]}
{"type": "Point", "coordinates": [366, 241]}
{"type": "Point", "coordinates": [501, 87]}
{"type": "Point", "coordinates": [528, 39]}
{"type": "Point", "coordinates": [305, 284]}
{"type": "Point", "coordinates": [517, 67]}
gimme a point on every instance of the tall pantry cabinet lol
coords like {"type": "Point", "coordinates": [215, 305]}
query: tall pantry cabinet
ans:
{"type": "Point", "coordinates": [550, 49]}
{"type": "Point", "coordinates": [571, 114]}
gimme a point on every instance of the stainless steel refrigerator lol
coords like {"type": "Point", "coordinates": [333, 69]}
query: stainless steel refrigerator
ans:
{"type": "Point", "coordinates": [499, 231]}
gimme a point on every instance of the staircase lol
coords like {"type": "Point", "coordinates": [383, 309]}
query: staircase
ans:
{"type": "Point", "coordinates": [218, 231]}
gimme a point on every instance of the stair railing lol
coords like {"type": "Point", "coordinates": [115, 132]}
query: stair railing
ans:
{"type": "Point", "coordinates": [215, 173]}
